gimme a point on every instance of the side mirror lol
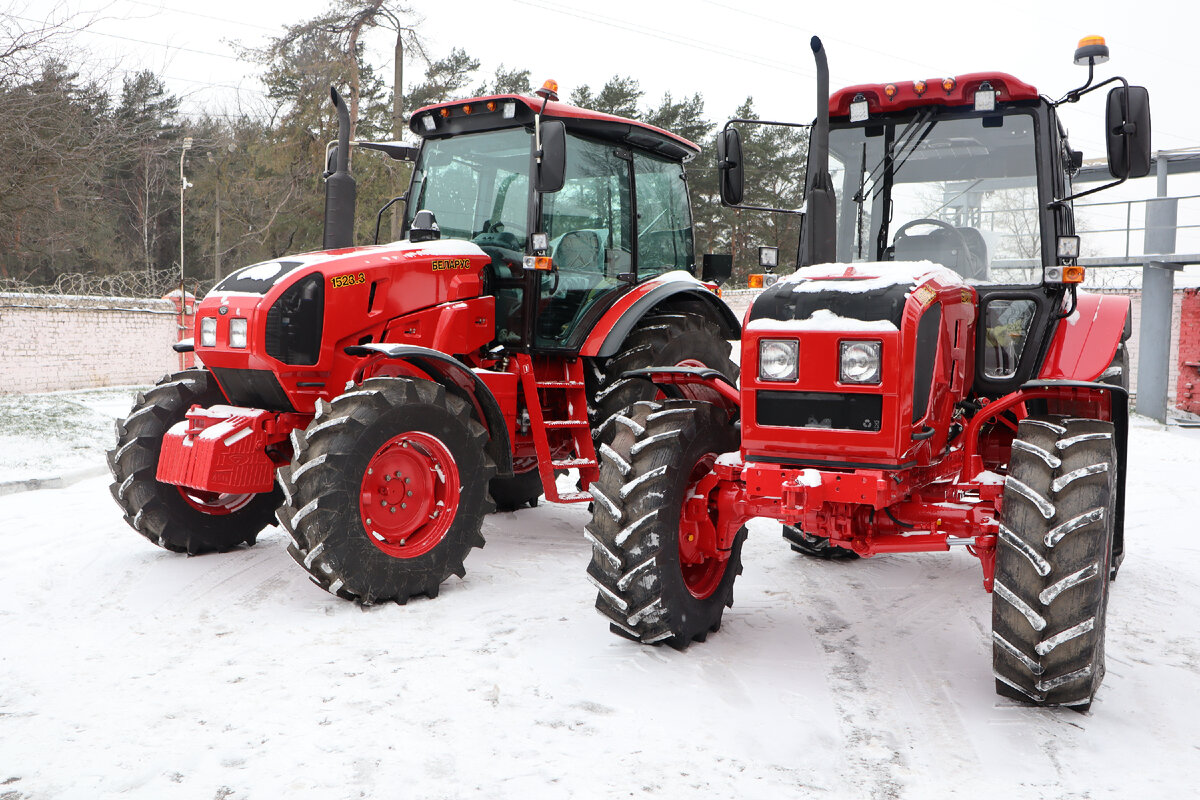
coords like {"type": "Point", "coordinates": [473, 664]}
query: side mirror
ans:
{"type": "Point", "coordinates": [717, 267]}
{"type": "Point", "coordinates": [729, 166]}
{"type": "Point", "coordinates": [552, 171]}
{"type": "Point", "coordinates": [1128, 135]}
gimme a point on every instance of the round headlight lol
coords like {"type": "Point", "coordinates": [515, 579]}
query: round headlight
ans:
{"type": "Point", "coordinates": [778, 359]}
{"type": "Point", "coordinates": [860, 362]}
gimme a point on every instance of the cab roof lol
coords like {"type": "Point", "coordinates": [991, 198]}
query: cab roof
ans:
{"type": "Point", "coordinates": [489, 113]}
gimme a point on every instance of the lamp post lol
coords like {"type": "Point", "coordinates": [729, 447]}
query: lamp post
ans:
{"type": "Point", "coordinates": [183, 185]}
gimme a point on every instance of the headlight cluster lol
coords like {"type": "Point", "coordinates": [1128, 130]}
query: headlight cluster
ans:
{"type": "Point", "coordinates": [238, 332]}
{"type": "Point", "coordinates": [860, 362]}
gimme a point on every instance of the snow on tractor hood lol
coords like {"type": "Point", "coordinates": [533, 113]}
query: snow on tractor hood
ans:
{"type": "Point", "coordinates": [870, 293]}
{"type": "Point", "coordinates": [258, 279]}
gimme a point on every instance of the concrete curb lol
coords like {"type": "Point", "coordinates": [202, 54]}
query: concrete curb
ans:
{"type": "Point", "coordinates": [56, 482]}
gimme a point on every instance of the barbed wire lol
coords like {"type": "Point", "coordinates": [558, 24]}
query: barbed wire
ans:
{"type": "Point", "coordinates": [134, 283]}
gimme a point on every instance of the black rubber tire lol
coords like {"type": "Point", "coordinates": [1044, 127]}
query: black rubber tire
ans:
{"type": "Point", "coordinates": [658, 340]}
{"type": "Point", "coordinates": [816, 546]}
{"type": "Point", "coordinates": [635, 523]}
{"type": "Point", "coordinates": [518, 491]}
{"type": "Point", "coordinates": [322, 489]}
{"type": "Point", "coordinates": [159, 511]}
{"type": "Point", "coordinates": [1048, 607]}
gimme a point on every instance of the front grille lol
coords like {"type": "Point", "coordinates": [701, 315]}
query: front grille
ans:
{"type": "Point", "coordinates": [253, 388]}
{"type": "Point", "coordinates": [846, 412]}
{"type": "Point", "coordinates": [294, 323]}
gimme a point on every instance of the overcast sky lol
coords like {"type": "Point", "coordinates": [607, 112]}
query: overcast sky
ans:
{"type": "Point", "coordinates": [725, 49]}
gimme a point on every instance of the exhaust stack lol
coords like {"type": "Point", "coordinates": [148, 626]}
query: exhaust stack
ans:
{"type": "Point", "coordinates": [340, 190]}
{"type": "Point", "coordinates": [819, 245]}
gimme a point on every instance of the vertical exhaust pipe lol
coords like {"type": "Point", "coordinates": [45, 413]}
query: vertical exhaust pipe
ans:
{"type": "Point", "coordinates": [340, 190]}
{"type": "Point", "coordinates": [819, 245]}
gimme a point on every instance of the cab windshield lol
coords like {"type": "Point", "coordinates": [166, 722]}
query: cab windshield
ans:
{"type": "Point", "coordinates": [476, 184]}
{"type": "Point", "coordinates": [961, 192]}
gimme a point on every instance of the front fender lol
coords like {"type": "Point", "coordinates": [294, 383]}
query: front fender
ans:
{"type": "Point", "coordinates": [1086, 342]}
{"type": "Point", "coordinates": [459, 379]}
{"type": "Point", "coordinates": [605, 338]}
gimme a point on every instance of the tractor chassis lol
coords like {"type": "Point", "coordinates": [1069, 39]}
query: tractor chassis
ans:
{"type": "Point", "coordinates": [955, 501]}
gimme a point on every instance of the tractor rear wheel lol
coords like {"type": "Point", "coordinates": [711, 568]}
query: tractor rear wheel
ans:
{"type": "Point", "coordinates": [655, 586]}
{"type": "Point", "coordinates": [660, 340]}
{"type": "Point", "coordinates": [387, 491]}
{"type": "Point", "coordinates": [177, 518]}
{"type": "Point", "coordinates": [1050, 595]}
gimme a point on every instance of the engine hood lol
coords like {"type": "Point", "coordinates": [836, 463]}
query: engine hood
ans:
{"type": "Point", "coordinates": [868, 292]}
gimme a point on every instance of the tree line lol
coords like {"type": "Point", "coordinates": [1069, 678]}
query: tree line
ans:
{"type": "Point", "coordinates": [90, 176]}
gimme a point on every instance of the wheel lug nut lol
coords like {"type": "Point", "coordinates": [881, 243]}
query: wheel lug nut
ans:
{"type": "Point", "coordinates": [393, 509]}
{"type": "Point", "coordinates": [410, 494]}
{"type": "Point", "coordinates": [387, 477]}
{"type": "Point", "coordinates": [383, 503]}
{"type": "Point", "coordinates": [404, 505]}
{"type": "Point", "coordinates": [408, 480]}
{"type": "Point", "coordinates": [400, 475]}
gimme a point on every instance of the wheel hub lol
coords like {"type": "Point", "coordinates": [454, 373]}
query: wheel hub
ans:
{"type": "Point", "coordinates": [409, 494]}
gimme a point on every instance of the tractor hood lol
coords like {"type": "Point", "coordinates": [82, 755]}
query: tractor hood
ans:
{"type": "Point", "coordinates": [867, 292]}
{"type": "Point", "coordinates": [293, 317]}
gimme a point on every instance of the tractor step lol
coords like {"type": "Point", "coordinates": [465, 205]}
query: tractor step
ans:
{"type": "Point", "coordinates": [557, 385]}
{"type": "Point", "coordinates": [566, 423]}
{"type": "Point", "coordinates": [573, 463]}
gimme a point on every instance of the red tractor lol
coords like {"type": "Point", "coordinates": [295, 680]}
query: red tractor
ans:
{"type": "Point", "coordinates": [929, 378]}
{"type": "Point", "coordinates": [384, 398]}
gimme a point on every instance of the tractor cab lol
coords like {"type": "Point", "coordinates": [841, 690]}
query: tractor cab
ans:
{"type": "Point", "coordinates": [551, 193]}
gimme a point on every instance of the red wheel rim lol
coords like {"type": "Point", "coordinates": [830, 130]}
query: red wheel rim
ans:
{"type": "Point", "coordinates": [409, 495]}
{"type": "Point", "coordinates": [214, 504]}
{"type": "Point", "coordinates": [702, 571]}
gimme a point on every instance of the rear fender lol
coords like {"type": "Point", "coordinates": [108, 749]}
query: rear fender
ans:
{"type": "Point", "coordinates": [1085, 343]}
{"type": "Point", "coordinates": [605, 339]}
{"type": "Point", "coordinates": [458, 378]}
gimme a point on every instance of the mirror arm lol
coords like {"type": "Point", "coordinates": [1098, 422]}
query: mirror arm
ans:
{"type": "Point", "coordinates": [386, 206]}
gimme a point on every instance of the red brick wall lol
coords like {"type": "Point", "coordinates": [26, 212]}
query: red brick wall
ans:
{"type": "Point", "coordinates": [1187, 395]}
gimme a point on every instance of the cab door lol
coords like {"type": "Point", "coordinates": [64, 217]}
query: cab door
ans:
{"type": "Point", "coordinates": [589, 225]}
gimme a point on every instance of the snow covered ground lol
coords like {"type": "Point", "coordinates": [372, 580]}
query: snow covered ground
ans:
{"type": "Point", "coordinates": [130, 672]}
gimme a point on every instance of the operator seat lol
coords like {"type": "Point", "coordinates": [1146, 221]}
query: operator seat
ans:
{"type": "Point", "coordinates": [960, 249]}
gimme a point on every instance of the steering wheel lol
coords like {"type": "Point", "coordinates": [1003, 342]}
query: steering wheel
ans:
{"type": "Point", "coordinates": [902, 231]}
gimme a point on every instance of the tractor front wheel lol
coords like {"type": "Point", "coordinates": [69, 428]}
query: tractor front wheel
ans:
{"type": "Point", "coordinates": [659, 340]}
{"type": "Point", "coordinates": [1050, 595]}
{"type": "Point", "coordinates": [658, 582]}
{"type": "Point", "coordinates": [387, 491]}
{"type": "Point", "coordinates": [177, 518]}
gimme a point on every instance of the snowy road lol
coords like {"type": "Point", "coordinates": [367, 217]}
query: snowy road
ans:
{"type": "Point", "coordinates": [129, 672]}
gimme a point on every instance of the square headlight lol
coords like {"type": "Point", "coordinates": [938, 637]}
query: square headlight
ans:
{"type": "Point", "coordinates": [208, 332]}
{"type": "Point", "coordinates": [778, 359]}
{"type": "Point", "coordinates": [860, 362]}
{"type": "Point", "coordinates": [237, 332]}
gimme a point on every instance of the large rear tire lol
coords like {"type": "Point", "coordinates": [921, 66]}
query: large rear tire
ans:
{"type": "Point", "coordinates": [177, 518]}
{"type": "Point", "coordinates": [652, 587]}
{"type": "Point", "coordinates": [387, 491]}
{"type": "Point", "coordinates": [1051, 594]}
{"type": "Point", "coordinates": [659, 340]}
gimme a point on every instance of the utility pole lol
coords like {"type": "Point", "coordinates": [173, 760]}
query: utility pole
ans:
{"type": "Point", "coordinates": [398, 117]}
